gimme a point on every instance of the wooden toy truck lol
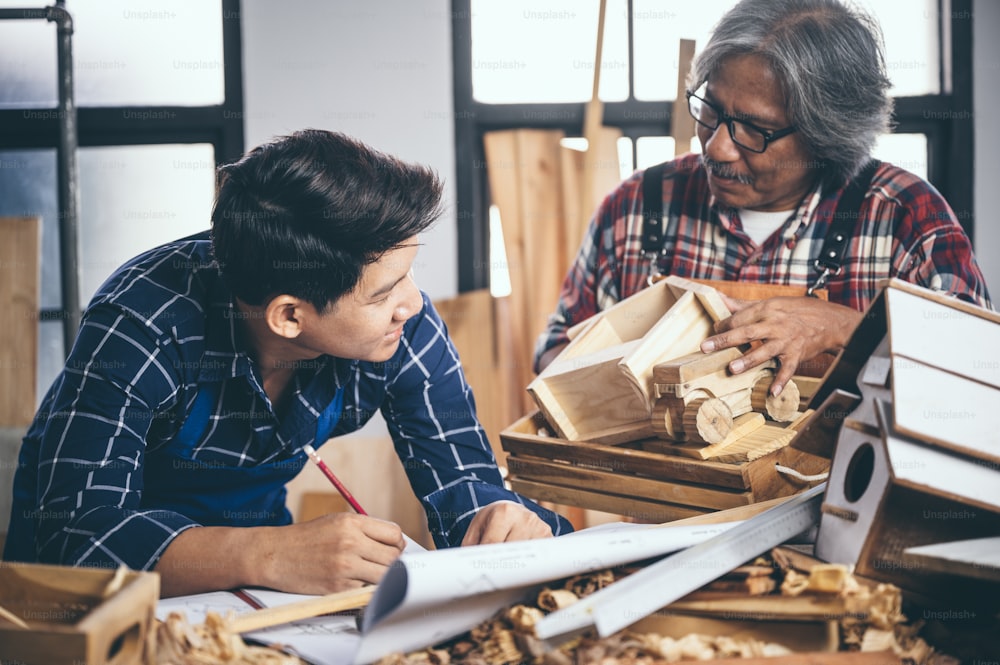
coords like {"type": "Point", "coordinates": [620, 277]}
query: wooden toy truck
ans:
{"type": "Point", "coordinates": [697, 400]}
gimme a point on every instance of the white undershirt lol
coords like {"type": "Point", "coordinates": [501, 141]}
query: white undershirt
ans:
{"type": "Point", "coordinates": [759, 224]}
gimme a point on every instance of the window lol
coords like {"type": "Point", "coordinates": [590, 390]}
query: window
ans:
{"type": "Point", "coordinates": [542, 78]}
{"type": "Point", "coordinates": [159, 103]}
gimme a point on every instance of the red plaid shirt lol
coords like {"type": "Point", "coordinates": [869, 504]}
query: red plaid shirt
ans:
{"type": "Point", "coordinates": [906, 230]}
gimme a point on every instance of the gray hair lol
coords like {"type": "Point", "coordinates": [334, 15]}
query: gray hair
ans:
{"type": "Point", "coordinates": [829, 60]}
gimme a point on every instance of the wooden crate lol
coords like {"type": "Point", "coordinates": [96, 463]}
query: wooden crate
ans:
{"type": "Point", "coordinates": [69, 618]}
{"type": "Point", "coordinates": [635, 480]}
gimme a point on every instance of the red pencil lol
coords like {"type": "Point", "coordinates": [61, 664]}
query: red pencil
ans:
{"type": "Point", "coordinates": [333, 479]}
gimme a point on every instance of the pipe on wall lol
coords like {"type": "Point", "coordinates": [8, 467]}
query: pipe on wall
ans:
{"type": "Point", "coordinates": [66, 162]}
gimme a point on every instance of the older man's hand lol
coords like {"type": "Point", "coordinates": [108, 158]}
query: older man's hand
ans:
{"type": "Point", "coordinates": [790, 330]}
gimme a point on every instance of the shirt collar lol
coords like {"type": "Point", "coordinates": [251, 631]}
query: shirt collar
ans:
{"type": "Point", "coordinates": [794, 227]}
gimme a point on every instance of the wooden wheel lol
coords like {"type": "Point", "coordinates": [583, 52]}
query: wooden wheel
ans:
{"type": "Point", "coordinates": [662, 420]}
{"type": "Point", "coordinates": [782, 408]}
{"type": "Point", "coordinates": [709, 419]}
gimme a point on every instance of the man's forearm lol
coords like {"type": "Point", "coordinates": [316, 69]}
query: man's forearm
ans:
{"type": "Point", "coordinates": [205, 559]}
{"type": "Point", "coordinates": [850, 318]}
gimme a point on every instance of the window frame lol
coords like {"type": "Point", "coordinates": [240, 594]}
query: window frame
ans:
{"type": "Point", "coordinates": [220, 125]}
{"type": "Point", "coordinates": [945, 118]}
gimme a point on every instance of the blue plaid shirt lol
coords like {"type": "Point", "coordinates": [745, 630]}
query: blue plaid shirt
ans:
{"type": "Point", "coordinates": [102, 480]}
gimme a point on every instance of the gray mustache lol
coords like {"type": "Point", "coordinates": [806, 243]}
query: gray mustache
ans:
{"type": "Point", "coordinates": [723, 171]}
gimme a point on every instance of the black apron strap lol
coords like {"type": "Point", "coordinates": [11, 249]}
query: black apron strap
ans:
{"type": "Point", "coordinates": [831, 257]}
{"type": "Point", "coordinates": [652, 210]}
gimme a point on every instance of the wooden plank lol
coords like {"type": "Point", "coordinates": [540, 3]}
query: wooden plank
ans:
{"type": "Point", "coordinates": [938, 333]}
{"type": "Point", "coordinates": [706, 294]}
{"type": "Point", "coordinates": [577, 216]}
{"type": "Point", "coordinates": [630, 319]}
{"type": "Point", "coordinates": [542, 232]}
{"type": "Point", "coordinates": [819, 635]}
{"type": "Point", "coordinates": [840, 658]}
{"type": "Point", "coordinates": [351, 599]}
{"type": "Point", "coordinates": [628, 460]}
{"type": "Point", "coordinates": [591, 398]}
{"type": "Point", "coordinates": [600, 170]}
{"type": "Point", "coordinates": [20, 239]}
{"type": "Point", "coordinates": [732, 514]}
{"type": "Point", "coordinates": [763, 441]}
{"type": "Point", "coordinates": [721, 382]}
{"type": "Point", "coordinates": [978, 558]}
{"type": "Point", "coordinates": [502, 164]}
{"type": "Point", "coordinates": [804, 607]}
{"type": "Point", "coordinates": [766, 482]}
{"type": "Point", "coordinates": [523, 171]}
{"type": "Point", "coordinates": [638, 510]}
{"type": "Point", "coordinates": [682, 125]}
{"type": "Point", "coordinates": [685, 324]}
{"type": "Point", "coordinates": [626, 485]}
{"type": "Point", "coordinates": [808, 385]}
{"type": "Point", "coordinates": [818, 430]}
{"type": "Point", "coordinates": [601, 173]}
{"type": "Point", "coordinates": [752, 291]}
{"type": "Point", "coordinates": [949, 410]}
{"type": "Point", "coordinates": [742, 426]}
{"type": "Point", "coordinates": [692, 366]}
{"type": "Point", "coordinates": [476, 326]}
{"type": "Point", "coordinates": [522, 438]}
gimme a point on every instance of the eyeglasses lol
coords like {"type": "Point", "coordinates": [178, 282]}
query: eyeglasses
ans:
{"type": "Point", "coordinates": [744, 134]}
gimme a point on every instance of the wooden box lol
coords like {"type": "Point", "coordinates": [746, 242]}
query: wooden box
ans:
{"type": "Point", "coordinates": [634, 479]}
{"type": "Point", "coordinates": [78, 616]}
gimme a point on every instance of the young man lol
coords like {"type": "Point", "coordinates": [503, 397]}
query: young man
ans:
{"type": "Point", "coordinates": [204, 366]}
{"type": "Point", "coordinates": [789, 96]}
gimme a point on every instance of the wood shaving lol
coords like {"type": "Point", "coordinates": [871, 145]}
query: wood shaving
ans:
{"type": "Point", "coordinates": [509, 638]}
{"type": "Point", "coordinates": [501, 647]}
{"type": "Point", "coordinates": [115, 583]}
{"type": "Point", "coordinates": [211, 643]}
{"type": "Point", "coordinates": [524, 618]}
{"type": "Point", "coordinates": [586, 584]}
{"type": "Point", "coordinates": [828, 578]}
{"type": "Point", "coordinates": [794, 584]}
{"type": "Point", "coordinates": [874, 622]}
{"type": "Point", "coordinates": [551, 600]}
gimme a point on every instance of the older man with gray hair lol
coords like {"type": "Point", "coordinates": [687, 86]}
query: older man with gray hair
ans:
{"type": "Point", "coordinates": [789, 98]}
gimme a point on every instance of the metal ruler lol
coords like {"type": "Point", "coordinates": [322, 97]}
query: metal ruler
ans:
{"type": "Point", "coordinates": [642, 593]}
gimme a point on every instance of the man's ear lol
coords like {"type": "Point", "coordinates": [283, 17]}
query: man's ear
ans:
{"type": "Point", "coordinates": [284, 316]}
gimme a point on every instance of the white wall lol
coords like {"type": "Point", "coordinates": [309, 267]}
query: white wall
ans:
{"type": "Point", "coordinates": [378, 70]}
{"type": "Point", "coordinates": [986, 102]}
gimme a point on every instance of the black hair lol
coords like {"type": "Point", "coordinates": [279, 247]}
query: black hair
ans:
{"type": "Point", "coordinates": [303, 215]}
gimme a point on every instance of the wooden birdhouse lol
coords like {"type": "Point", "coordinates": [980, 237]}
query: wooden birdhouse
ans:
{"type": "Point", "coordinates": [918, 461]}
